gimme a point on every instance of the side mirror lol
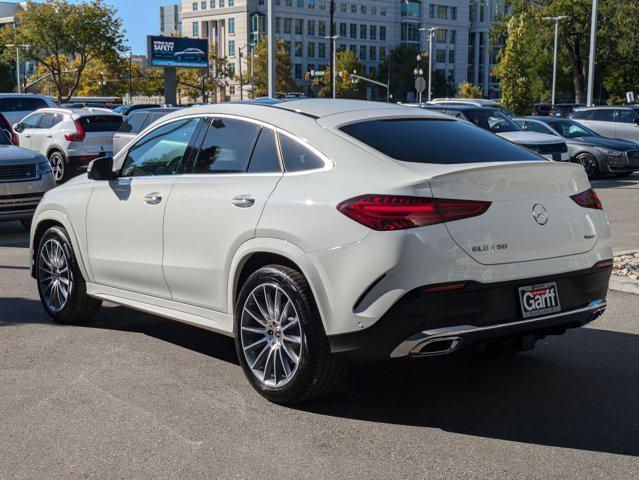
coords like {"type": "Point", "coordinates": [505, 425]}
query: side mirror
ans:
{"type": "Point", "coordinates": [17, 127]}
{"type": "Point", "coordinates": [101, 169]}
{"type": "Point", "coordinates": [7, 134]}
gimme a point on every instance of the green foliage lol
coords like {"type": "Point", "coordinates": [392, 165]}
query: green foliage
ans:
{"type": "Point", "coordinates": [56, 30]}
{"type": "Point", "coordinates": [468, 90]}
{"type": "Point", "coordinates": [348, 62]}
{"type": "Point", "coordinates": [284, 82]}
{"type": "Point", "coordinates": [403, 60]}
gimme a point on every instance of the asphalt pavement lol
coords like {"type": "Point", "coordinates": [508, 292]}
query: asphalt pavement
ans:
{"type": "Point", "coordinates": [135, 396]}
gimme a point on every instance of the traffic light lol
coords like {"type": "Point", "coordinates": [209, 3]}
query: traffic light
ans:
{"type": "Point", "coordinates": [307, 76]}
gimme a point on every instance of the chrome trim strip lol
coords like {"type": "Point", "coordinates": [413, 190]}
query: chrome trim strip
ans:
{"type": "Point", "coordinates": [412, 343]}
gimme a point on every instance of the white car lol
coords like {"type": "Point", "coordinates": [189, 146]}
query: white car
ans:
{"type": "Point", "coordinates": [16, 106]}
{"type": "Point", "coordinates": [69, 138]}
{"type": "Point", "coordinates": [318, 232]}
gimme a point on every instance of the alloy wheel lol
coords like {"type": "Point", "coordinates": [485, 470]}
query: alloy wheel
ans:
{"type": "Point", "coordinates": [271, 335]}
{"type": "Point", "coordinates": [57, 166]}
{"type": "Point", "coordinates": [55, 279]}
{"type": "Point", "coordinates": [589, 164]}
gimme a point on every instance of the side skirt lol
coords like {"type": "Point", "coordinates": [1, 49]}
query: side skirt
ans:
{"type": "Point", "coordinates": [196, 316]}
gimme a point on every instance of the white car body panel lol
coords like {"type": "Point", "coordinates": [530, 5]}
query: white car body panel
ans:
{"type": "Point", "coordinates": [199, 243]}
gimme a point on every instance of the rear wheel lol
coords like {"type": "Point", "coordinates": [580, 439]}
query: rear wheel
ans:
{"type": "Point", "coordinates": [60, 284]}
{"type": "Point", "coordinates": [590, 164]}
{"type": "Point", "coordinates": [280, 339]}
{"type": "Point", "coordinates": [58, 166]}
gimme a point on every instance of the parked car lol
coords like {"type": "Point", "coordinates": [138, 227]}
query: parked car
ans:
{"type": "Point", "coordinates": [598, 155]}
{"type": "Point", "coordinates": [124, 110]}
{"type": "Point", "coordinates": [620, 122]}
{"type": "Point", "coordinates": [134, 123]}
{"type": "Point", "coordinates": [541, 109]}
{"type": "Point", "coordinates": [477, 102]}
{"type": "Point", "coordinates": [24, 178]}
{"type": "Point", "coordinates": [318, 232]}
{"type": "Point", "coordinates": [500, 124]}
{"type": "Point", "coordinates": [86, 105]}
{"type": "Point", "coordinates": [16, 106]}
{"type": "Point", "coordinates": [70, 139]}
{"type": "Point", "coordinates": [564, 109]}
{"type": "Point", "coordinates": [190, 54]}
{"type": "Point", "coordinates": [7, 128]}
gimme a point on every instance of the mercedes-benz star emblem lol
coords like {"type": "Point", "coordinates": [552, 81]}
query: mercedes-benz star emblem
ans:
{"type": "Point", "coordinates": [540, 214]}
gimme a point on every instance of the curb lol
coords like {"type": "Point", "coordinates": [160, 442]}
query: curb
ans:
{"type": "Point", "coordinates": [624, 284]}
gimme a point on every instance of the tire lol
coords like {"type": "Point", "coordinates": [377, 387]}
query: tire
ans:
{"type": "Point", "coordinates": [26, 224]}
{"type": "Point", "coordinates": [260, 337]}
{"type": "Point", "coordinates": [56, 261]}
{"type": "Point", "coordinates": [59, 166]}
{"type": "Point", "coordinates": [590, 164]}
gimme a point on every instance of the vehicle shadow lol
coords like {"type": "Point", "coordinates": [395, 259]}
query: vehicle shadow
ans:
{"type": "Point", "coordinates": [631, 182]}
{"type": "Point", "coordinates": [577, 391]}
{"type": "Point", "coordinates": [13, 235]}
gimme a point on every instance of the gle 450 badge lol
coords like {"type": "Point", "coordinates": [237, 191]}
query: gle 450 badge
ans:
{"type": "Point", "coordinates": [540, 299]}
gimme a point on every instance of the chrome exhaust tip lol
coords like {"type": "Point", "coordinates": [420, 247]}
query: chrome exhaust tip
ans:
{"type": "Point", "coordinates": [436, 346]}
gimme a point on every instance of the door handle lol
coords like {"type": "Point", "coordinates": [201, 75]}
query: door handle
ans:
{"type": "Point", "coordinates": [26, 135]}
{"type": "Point", "coordinates": [152, 198]}
{"type": "Point", "coordinates": [49, 136]}
{"type": "Point", "coordinates": [243, 201]}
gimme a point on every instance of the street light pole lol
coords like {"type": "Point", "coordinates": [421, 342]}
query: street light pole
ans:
{"type": "Point", "coordinates": [431, 34]}
{"type": "Point", "coordinates": [333, 70]}
{"type": "Point", "coordinates": [271, 48]}
{"type": "Point", "coordinates": [18, 74]}
{"type": "Point", "coordinates": [593, 46]}
{"type": "Point", "coordinates": [554, 61]}
{"type": "Point", "coordinates": [331, 32]}
{"type": "Point", "coordinates": [252, 70]}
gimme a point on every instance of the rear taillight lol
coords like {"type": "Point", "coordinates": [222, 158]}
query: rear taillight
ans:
{"type": "Point", "coordinates": [588, 199]}
{"type": "Point", "coordinates": [398, 212]}
{"type": "Point", "coordinates": [76, 137]}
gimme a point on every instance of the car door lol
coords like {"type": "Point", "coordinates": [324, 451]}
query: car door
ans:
{"type": "Point", "coordinates": [627, 125]}
{"type": "Point", "coordinates": [602, 121]}
{"type": "Point", "coordinates": [216, 206]}
{"type": "Point", "coordinates": [125, 216]}
{"type": "Point", "coordinates": [41, 136]}
{"type": "Point", "coordinates": [26, 129]}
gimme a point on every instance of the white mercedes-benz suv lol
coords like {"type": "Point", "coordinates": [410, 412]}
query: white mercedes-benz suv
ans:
{"type": "Point", "coordinates": [318, 232]}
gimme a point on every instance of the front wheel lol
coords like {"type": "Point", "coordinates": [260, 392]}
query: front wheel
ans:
{"type": "Point", "coordinates": [590, 164]}
{"type": "Point", "coordinates": [58, 166]}
{"type": "Point", "coordinates": [61, 286]}
{"type": "Point", "coordinates": [280, 340]}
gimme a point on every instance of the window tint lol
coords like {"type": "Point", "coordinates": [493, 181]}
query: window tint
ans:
{"type": "Point", "coordinates": [603, 114]}
{"type": "Point", "coordinates": [133, 123]}
{"type": "Point", "coordinates": [100, 123]}
{"type": "Point", "coordinates": [265, 158]}
{"type": "Point", "coordinates": [21, 104]}
{"type": "Point", "coordinates": [226, 147]}
{"type": "Point", "coordinates": [581, 115]}
{"type": "Point", "coordinates": [571, 129]}
{"type": "Point", "coordinates": [626, 116]}
{"type": "Point", "coordinates": [538, 128]}
{"type": "Point", "coordinates": [49, 120]}
{"type": "Point", "coordinates": [151, 118]}
{"type": "Point", "coordinates": [297, 157]}
{"type": "Point", "coordinates": [160, 151]}
{"type": "Point", "coordinates": [31, 121]}
{"type": "Point", "coordinates": [492, 120]}
{"type": "Point", "coordinates": [422, 140]}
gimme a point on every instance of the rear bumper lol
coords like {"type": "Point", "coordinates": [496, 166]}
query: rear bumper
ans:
{"type": "Point", "coordinates": [479, 312]}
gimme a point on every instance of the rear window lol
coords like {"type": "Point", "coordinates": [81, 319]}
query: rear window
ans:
{"type": "Point", "coordinates": [21, 104]}
{"type": "Point", "coordinates": [101, 123]}
{"type": "Point", "coordinates": [133, 123]}
{"type": "Point", "coordinates": [423, 140]}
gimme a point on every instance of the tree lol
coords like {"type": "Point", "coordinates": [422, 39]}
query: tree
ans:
{"type": "Point", "coordinates": [348, 62]}
{"type": "Point", "coordinates": [56, 30]}
{"type": "Point", "coordinates": [403, 60]}
{"type": "Point", "coordinates": [514, 79]}
{"type": "Point", "coordinates": [284, 82]}
{"type": "Point", "coordinates": [7, 81]}
{"type": "Point", "coordinates": [468, 90]}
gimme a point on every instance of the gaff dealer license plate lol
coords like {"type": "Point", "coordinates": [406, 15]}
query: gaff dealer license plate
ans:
{"type": "Point", "coordinates": [541, 299]}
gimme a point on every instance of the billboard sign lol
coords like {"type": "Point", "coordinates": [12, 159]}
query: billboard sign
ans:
{"type": "Point", "coordinates": [169, 52]}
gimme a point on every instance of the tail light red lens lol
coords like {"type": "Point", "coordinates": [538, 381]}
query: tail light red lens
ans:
{"type": "Point", "coordinates": [588, 199]}
{"type": "Point", "coordinates": [76, 137]}
{"type": "Point", "coordinates": [398, 212]}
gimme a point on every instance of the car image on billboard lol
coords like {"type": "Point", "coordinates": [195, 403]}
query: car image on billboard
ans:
{"type": "Point", "coordinates": [171, 52]}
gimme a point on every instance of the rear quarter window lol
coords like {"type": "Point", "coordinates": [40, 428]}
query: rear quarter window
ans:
{"type": "Point", "coordinates": [423, 140]}
{"type": "Point", "coordinates": [101, 123]}
{"type": "Point", "coordinates": [133, 123]}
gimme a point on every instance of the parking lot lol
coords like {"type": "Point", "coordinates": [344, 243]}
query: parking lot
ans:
{"type": "Point", "coordinates": [135, 396]}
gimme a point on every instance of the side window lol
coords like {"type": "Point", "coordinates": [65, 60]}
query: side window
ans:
{"type": "Point", "coordinates": [226, 147]}
{"type": "Point", "coordinates": [133, 123]}
{"type": "Point", "coordinates": [31, 121]}
{"type": "Point", "coordinates": [160, 152]}
{"type": "Point", "coordinates": [297, 157]}
{"type": "Point", "coordinates": [538, 128]}
{"type": "Point", "coordinates": [265, 158]}
{"type": "Point", "coordinates": [626, 116]}
{"type": "Point", "coordinates": [603, 115]}
{"type": "Point", "coordinates": [49, 120]}
{"type": "Point", "coordinates": [581, 115]}
{"type": "Point", "coordinates": [151, 117]}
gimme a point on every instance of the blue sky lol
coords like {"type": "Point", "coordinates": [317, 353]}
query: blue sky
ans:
{"type": "Point", "coordinates": [140, 18]}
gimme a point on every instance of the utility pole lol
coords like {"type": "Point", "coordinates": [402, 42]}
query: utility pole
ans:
{"type": "Point", "coordinates": [431, 35]}
{"type": "Point", "coordinates": [241, 81]}
{"type": "Point", "coordinates": [333, 70]}
{"type": "Point", "coordinates": [554, 61]}
{"type": "Point", "coordinates": [270, 18]}
{"type": "Point", "coordinates": [252, 70]}
{"type": "Point", "coordinates": [18, 73]}
{"type": "Point", "coordinates": [593, 47]}
{"type": "Point", "coordinates": [131, 78]}
{"type": "Point", "coordinates": [333, 63]}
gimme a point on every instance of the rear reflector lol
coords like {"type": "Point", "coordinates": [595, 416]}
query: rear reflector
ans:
{"type": "Point", "coordinates": [588, 199]}
{"type": "Point", "coordinates": [449, 287]}
{"type": "Point", "coordinates": [398, 212]}
{"type": "Point", "coordinates": [603, 264]}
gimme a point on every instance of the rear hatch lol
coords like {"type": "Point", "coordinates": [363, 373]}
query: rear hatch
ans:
{"type": "Point", "coordinates": [99, 131]}
{"type": "Point", "coordinates": [531, 216]}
